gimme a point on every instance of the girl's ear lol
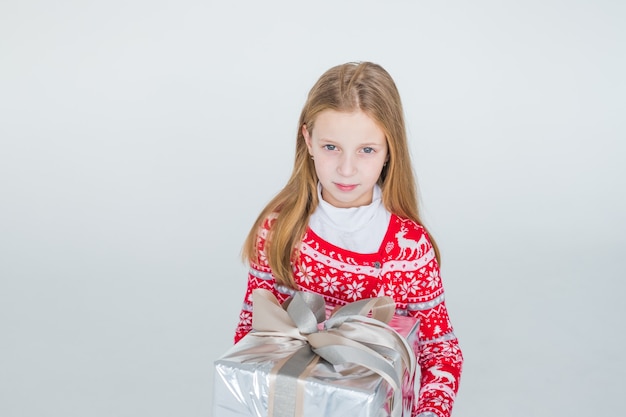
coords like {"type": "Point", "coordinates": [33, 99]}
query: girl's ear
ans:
{"type": "Point", "coordinates": [307, 137]}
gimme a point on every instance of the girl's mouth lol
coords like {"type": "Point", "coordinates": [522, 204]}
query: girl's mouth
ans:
{"type": "Point", "coordinates": [346, 187]}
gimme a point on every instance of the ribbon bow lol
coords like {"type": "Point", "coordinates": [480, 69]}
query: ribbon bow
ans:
{"type": "Point", "coordinates": [356, 333]}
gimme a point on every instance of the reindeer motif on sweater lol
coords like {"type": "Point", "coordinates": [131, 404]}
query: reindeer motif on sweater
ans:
{"type": "Point", "coordinates": [409, 247]}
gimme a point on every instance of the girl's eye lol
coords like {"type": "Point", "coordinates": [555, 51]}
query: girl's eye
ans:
{"type": "Point", "coordinates": [368, 150]}
{"type": "Point", "coordinates": [330, 147]}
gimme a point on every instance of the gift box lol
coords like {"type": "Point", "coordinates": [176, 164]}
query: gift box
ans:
{"type": "Point", "coordinates": [300, 360]}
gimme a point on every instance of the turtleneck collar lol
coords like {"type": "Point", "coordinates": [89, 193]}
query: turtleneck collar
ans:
{"type": "Point", "coordinates": [352, 218]}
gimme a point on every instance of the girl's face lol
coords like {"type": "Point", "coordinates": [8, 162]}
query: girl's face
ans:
{"type": "Point", "coordinates": [349, 151]}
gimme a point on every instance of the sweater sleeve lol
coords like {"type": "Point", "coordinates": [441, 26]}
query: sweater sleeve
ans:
{"type": "Point", "coordinates": [259, 276]}
{"type": "Point", "coordinates": [439, 355]}
{"type": "Point", "coordinates": [413, 280]}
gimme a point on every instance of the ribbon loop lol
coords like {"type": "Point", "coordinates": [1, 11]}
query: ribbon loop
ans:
{"type": "Point", "coordinates": [304, 310]}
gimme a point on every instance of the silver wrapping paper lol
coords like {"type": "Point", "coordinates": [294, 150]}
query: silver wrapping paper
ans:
{"type": "Point", "coordinates": [243, 379]}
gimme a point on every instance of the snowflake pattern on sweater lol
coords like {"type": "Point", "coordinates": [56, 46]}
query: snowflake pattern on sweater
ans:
{"type": "Point", "coordinates": [406, 269]}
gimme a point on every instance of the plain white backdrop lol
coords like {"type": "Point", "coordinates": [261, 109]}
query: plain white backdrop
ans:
{"type": "Point", "coordinates": [139, 140]}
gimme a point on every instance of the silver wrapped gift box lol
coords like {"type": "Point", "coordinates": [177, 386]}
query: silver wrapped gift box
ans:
{"type": "Point", "coordinates": [301, 361]}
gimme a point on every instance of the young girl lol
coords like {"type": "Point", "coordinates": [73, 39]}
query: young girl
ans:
{"type": "Point", "coordinates": [346, 225]}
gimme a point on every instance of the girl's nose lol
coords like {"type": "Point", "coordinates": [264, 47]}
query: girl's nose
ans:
{"type": "Point", "coordinates": [347, 165]}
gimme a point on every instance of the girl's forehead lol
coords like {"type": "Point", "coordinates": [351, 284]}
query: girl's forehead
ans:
{"type": "Point", "coordinates": [333, 124]}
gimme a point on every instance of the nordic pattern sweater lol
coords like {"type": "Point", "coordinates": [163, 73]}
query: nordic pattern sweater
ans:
{"type": "Point", "coordinates": [404, 268]}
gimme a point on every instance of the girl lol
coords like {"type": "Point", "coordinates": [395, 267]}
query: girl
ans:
{"type": "Point", "coordinates": [346, 225]}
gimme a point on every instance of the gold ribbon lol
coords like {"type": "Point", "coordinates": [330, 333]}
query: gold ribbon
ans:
{"type": "Point", "coordinates": [355, 333]}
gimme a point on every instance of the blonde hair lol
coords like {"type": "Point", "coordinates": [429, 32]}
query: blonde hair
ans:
{"type": "Point", "coordinates": [349, 87]}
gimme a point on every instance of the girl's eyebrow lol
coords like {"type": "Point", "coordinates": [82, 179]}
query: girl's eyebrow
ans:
{"type": "Point", "coordinates": [323, 138]}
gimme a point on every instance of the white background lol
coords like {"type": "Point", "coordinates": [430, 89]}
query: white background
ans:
{"type": "Point", "coordinates": [140, 139]}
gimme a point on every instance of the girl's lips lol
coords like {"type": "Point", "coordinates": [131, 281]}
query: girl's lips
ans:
{"type": "Point", "coordinates": [346, 187]}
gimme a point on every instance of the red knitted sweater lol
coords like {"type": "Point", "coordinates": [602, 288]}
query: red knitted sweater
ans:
{"type": "Point", "coordinates": [404, 268]}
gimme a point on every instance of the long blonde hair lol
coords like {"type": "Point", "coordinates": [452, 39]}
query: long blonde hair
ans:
{"type": "Point", "coordinates": [349, 87]}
